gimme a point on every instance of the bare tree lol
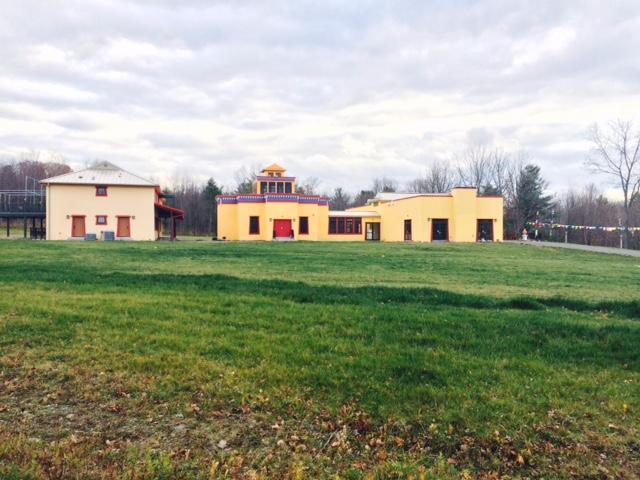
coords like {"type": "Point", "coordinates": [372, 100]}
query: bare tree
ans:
{"type": "Point", "coordinates": [340, 200]}
{"type": "Point", "coordinates": [384, 184]}
{"type": "Point", "coordinates": [361, 198]}
{"type": "Point", "coordinates": [499, 164]}
{"type": "Point", "coordinates": [474, 166]}
{"type": "Point", "coordinates": [616, 153]}
{"type": "Point", "coordinates": [438, 178]}
{"type": "Point", "coordinates": [308, 186]}
{"type": "Point", "coordinates": [245, 178]}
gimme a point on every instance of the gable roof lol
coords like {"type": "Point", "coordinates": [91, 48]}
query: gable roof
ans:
{"type": "Point", "coordinates": [274, 167]}
{"type": "Point", "coordinates": [100, 173]}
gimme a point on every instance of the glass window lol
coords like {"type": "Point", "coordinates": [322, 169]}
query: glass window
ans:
{"type": "Point", "coordinates": [254, 225]}
{"type": "Point", "coordinates": [101, 219]}
{"type": "Point", "coordinates": [101, 191]}
{"type": "Point", "coordinates": [263, 187]}
{"type": "Point", "coordinates": [287, 187]}
{"type": "Point", "coordinates": [280, 187]}
{"type": "Point", "coordinates": [272, 187]}
{"type": "Point", "coordinates": [303, 225]}
{"type": "Point", "coordinates": [346, 225]}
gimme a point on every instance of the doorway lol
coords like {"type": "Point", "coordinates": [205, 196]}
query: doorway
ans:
{"type": "Point", "coordinates": [282, 229]}
{"type": "Point", "coordinates": [485, 231]}
{"type": "Point", "coordinates": [372, 231]}
{"type": "Point", "coordinates": [407, 230]}
{"type": "Point", "coordinates": [124, 227]}
{"type": "Point", "coordinates": [77, 226]}
{"type": "Point", "coordinates": [440, 229]}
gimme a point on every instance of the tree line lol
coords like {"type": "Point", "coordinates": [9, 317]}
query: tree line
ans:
{"type": "Point", "coordinates": [615, 153]}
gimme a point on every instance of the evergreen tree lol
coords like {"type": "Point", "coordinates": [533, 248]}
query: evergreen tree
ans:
{"type": "Point", "coordinates": [531, 201]}
{"type": "Point", "coordinates": [209, 193]}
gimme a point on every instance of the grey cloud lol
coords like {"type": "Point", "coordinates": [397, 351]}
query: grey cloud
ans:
{"type": "Point", "coordinates": [257, 70]}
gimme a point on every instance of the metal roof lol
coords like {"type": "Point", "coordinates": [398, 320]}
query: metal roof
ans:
{"type": "Point", "coordinates": [100, 173]}
{"type": "Point", "coordinates": [349, 213]}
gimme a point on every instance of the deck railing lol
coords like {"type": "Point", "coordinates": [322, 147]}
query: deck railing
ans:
{"type": "Point", "coordinates": [22, 202]}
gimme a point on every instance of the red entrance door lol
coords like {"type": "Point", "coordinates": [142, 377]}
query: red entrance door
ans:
{"type": "Point", "coordinates": [77, 226]}
{"type": "Point", "coordinates": [282, 228]}
{"type": "Point", "coordinates": [124, 227]}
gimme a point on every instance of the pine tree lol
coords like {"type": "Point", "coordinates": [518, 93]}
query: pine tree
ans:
{"type": "Point", "coordinates": [209, 193]}
{"type": "Point", "coordinates": [531, 201]}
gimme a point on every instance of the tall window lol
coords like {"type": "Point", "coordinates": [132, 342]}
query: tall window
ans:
{"type": "Point", "coordinates": [280, 187]}
{"type": "Point", "coordinates": [101, 191]}
{"type": "Point", "coordinates": [263, 187]}
{"type": "Point", "coordinates": [303, 226]}
{"type": "Point", "coordinates": [254, 225]}
{"type": "Point", "coordinates": [287, 187]}
{"type": "Point", "coordinates": [272, 187]}
{"type": "Point", "coordinates": [345, 225]}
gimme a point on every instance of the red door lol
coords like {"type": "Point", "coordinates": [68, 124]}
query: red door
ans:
{"type": "Point", "coordinates": [124, 227]}
{"type": "Point", "coordinates": [282, 228]}
{"type": "Point", "coordinates": [77, 226]}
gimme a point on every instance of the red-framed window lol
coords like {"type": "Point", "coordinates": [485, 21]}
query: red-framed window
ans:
{"type": "Point", "coordinates": [303, 226]}
{"type": "Point", "coordinates": [345, 226]}
{"type": "Point", "coordinates": [101, 219]}
{"type": "Point", "coordinates": [101, 190]}
{"type": "Point", "coordinates": [254, 225]}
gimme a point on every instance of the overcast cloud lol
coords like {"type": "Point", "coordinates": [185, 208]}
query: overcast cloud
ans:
{"type": "Point", "coordinates": [344, 91]}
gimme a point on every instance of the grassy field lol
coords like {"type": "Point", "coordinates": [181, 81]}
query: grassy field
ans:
{"type": "Point", "coordinates": [299, 360]}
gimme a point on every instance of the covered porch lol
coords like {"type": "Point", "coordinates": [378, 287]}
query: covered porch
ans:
{"type": "Point", "coordinates": [165, 214]}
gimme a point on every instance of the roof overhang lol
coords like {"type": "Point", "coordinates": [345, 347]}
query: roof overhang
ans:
{"type": "Point", "coordinates": [166, 211]}
{"type": "Point", "coordinates": [352, 214]}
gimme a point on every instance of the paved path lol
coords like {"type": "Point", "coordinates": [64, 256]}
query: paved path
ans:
{"type": "Point", "coordinates": [586, 248]}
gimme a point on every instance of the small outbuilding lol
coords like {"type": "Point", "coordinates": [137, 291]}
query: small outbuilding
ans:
{"type": "Point", "coordinates": [106, 201]}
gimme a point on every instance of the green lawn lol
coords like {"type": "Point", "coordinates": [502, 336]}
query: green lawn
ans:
{"type": "Point", "coordinates": [311, 360]}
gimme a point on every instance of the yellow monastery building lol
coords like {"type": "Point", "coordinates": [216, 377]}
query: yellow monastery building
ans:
{"type": "Point", "coordinates": [275, 211]}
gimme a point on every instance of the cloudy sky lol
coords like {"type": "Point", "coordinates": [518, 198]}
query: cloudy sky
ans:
{"type": "Point", "coordinates": [341, 90]}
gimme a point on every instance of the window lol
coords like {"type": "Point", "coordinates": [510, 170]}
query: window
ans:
{"type": "Point", "coordinates": [287, 187]}
{"type": "Point", "coordinates": [303, 226]}
{"type": "Point", "coordinates": [280, 187]}
{"type": "Point", "coordinates": [272, 187]}
{"type": "Point", "coordinates": [101, 191]}
{"type": "Point", "coordinates": [101, 219]}
{"type": "Point", "coordinates": [345, 225]}
{"type": "Point", "coordinates": [254, 225]}
{"type": "Point", "coordinates": [263, 187]}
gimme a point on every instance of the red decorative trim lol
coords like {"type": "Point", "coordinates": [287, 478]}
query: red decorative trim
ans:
{"type": "Point", "coordinates": [300, 195]}
{"type": "Point", "coordinates": [106, 219]}
{"type": "Point", "coordinates": [106, 191]}
{"type": "Point", "coordinates": [84, 226]}
{"type": "Point", "coordinates": [118, 226]}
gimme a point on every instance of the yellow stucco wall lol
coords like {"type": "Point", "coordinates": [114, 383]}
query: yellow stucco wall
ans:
{"type": "Point", "coordinates": [233, 219]}
{"type": "Point", "coordinates": [67, 200]}
{"type": "Point", "coordinates": [462, 208]}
